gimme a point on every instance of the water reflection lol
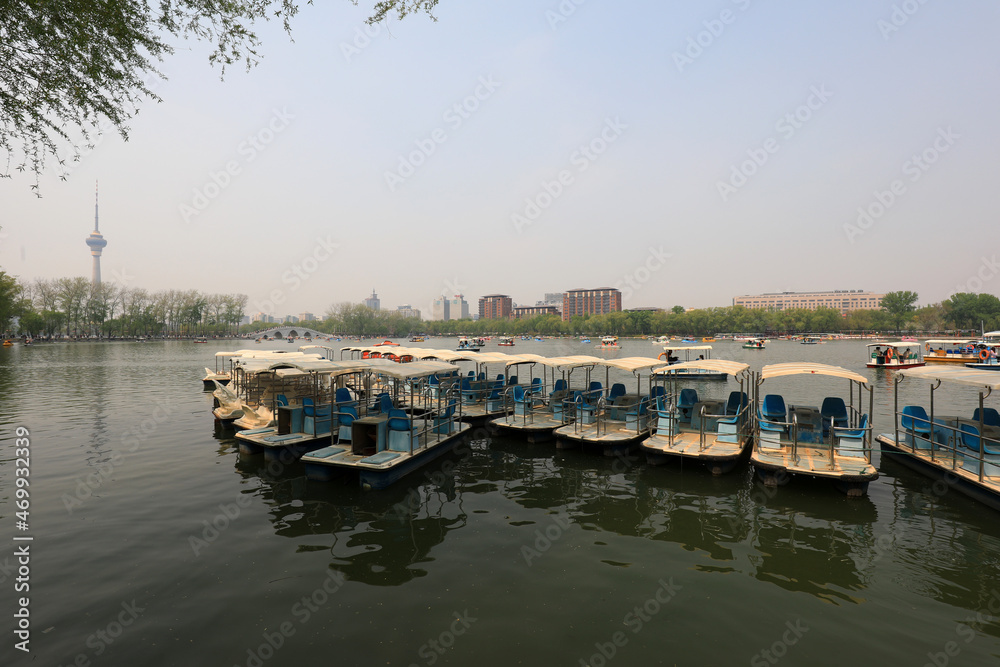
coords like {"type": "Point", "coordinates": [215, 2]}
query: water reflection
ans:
{"type": "Point", "coordinates": [381, 539]}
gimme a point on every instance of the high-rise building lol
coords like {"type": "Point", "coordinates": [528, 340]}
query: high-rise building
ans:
{"type": "Point", "coordinates": [591, 302]}
{"type": "Point", "coordinates": [495, 307]}
{"type": "Point", "coordinates": [373, 301]}
{"type": "Point", "coordinates": [408, 311]}
{"type": "Point", "coordinates": [96, 244]}
{"type": "Point", "coordinates": [307, 317]}
{"type": "Point", "coordinates": [458, 307]}
{"type": "Point", "coordinates": [439, 309]}
{"type": "Point", "coordinates": [843, 300]}
{"type": "Point", "coordinates": [531, 311]}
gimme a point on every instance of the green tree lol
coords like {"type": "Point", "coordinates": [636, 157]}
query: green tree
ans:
{"type": "Point", "coordinates": [899, 306]}
{"type": "Point", "coordinates": [69, 65]}
{"type": "Point", "coordinates": [12, 301]}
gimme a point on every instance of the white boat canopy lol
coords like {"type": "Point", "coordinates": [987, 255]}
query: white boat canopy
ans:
{"type": "Point", "coordinates": [958, 375]}
{"type": "Point", "coordinates": [674, 348]}
{"type": "Point", "coordinates": [809, 368]}
{"type": "Point", "coordinates": [632, 364]}
{"type": "Point", "coordinates": [714, 365]}
{"type": "Point", "coordinates": [948, 341]}
{"type": "Point", "coordinates": [903, 344]}
{"type": "Point", "coordinates": [415, 369]}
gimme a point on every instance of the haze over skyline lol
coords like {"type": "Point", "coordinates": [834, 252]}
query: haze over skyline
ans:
{"type": "Point", "coordinates": [685, 154]}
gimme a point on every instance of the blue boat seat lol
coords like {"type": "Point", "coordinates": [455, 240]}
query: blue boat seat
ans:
{"type": "Point", "coordinates": [770, 433]}
{"type": "Point", "coordinates": [445, 421]}
{"type": "Point", "coordinates": [738, 400]}
{"type": "Point", "coordinates": [990, 416]}
{"type": "Point", "coordinates": [521, 401]}
{"type": "Point", "coordinates": [380, 458]}
{"type": "Point", "coordinates": [343, 398]}
{"type": "Point", "coordinates": [512, 380]}
{"type": "Point", "coordinates": [833, 410]}
{"type": "Point", "coordinates": [384, 403]}
{"type": "Point", "coordinates": [685, 404]}
{"type": "Point", "coordinates": [282, 438]}
{"type": "Point", "coordinates": [617, 389]}
{"type": "Point", "coordinates": [852, 442]}
{"type": "Point", "coordinates": [281, 400]}
{"type": "Point", "coordinates": [594, 390]}
{"type": "Point", "coordinates": [638, 416]}
{"type": "Point", "coordinates": [469, 395]}
{"type": "Point", "coordinates": [327, 452]}
{"type": "Point", "coordinates": [666, 417]}
{"type": "Point", "coordinates": [774, 408]}
{"type": "Point", "coordinates": [494, 400]}
{"type": "Point", "coordinates": [657, 391]}
{"type": "Point", "coordinates": [585, 410]}
{"type": "Point", "coordinates": [971, 443]}
{"type": "Point", "coordinates": [403, 435]}
{"type": "Point", "coordinates": [346, 416]}
{"type": "Point", "coordinates": [316, 419]}
{"type": "Point", "coordinates": [917, 425]}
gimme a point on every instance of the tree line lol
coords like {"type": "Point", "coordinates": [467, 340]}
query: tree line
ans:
{"type": "Point", "coordinates": [74, 307]}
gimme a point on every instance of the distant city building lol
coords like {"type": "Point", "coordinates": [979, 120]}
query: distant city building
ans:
{"type": "Point", "coordinates": [553, 298]}
{"type": "Point", "coordinates": [291, 319]}
{"type": "Point", "coordinates": [449, 308]}
{"type": "Point", "coordinates": [307, 317]}
{"type": "Point", "coordinates": [408, 311]}
{"type": "Point", "coordinates": [598, 301]}
{"type": "Point", "coordinates": [644, 309]}
{"type": "Point", "coordinates": [531, 311]}
{"type": "Point", "coordinates": [844, 301]}
{"type": "Point", "coordinates": [495, 307]}
{"type": "Point", "coordinates": [458, 307]}
{"type": "Point", "coordinates": [373, 301]}
{"type": "Point", "coordinates": [439, 309]}
{"type": "Point", "coordinates": [96, 244]}
{"type": "Point", "coordinates": [259, 317]}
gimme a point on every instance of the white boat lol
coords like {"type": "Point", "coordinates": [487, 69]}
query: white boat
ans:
{"type": "Point", "coordinates": [609, 343]}
{"type": "Point", "coordinates": [383, 447]}
{"type": "Point", "coordinates": [950, 351]}
{"type": "Point", "coordinates": [536, 411]}
{"type": "Point", "coordinates": [754, 343]}
{"type": "Point", "coordinates": [962, 450]}
{"type": "Point", "coordinates": [832, 441]}
{"type": "Point", "coordinates": [989, 357]}
{"type": "Point", "coordinates": [691, 353]}
{"type": "Point", "coordinates": [687, 427]}
{"type": "Point", "coordinates": [893, 355]}
{"type": "Point", "coordinates": [608, 418]}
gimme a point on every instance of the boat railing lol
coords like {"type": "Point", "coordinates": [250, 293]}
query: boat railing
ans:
{"type": "Point", "coordinates": [947, 443]}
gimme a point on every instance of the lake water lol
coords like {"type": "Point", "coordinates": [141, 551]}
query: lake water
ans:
{"type": "Point", "coordinates": [155, 543]}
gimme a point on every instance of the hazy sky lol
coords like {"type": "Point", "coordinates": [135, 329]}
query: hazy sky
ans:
{"type": "Point", "coordinates": [684, 152]}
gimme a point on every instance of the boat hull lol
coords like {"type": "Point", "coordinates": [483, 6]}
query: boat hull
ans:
{"type": "Point", "coordinates": [964, 484]}
{"type": "Point", "coordinates": [915, 364]}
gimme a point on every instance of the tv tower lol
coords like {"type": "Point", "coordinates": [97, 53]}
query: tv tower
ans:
{"type": "Point", "coordinates": [96, 243]}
